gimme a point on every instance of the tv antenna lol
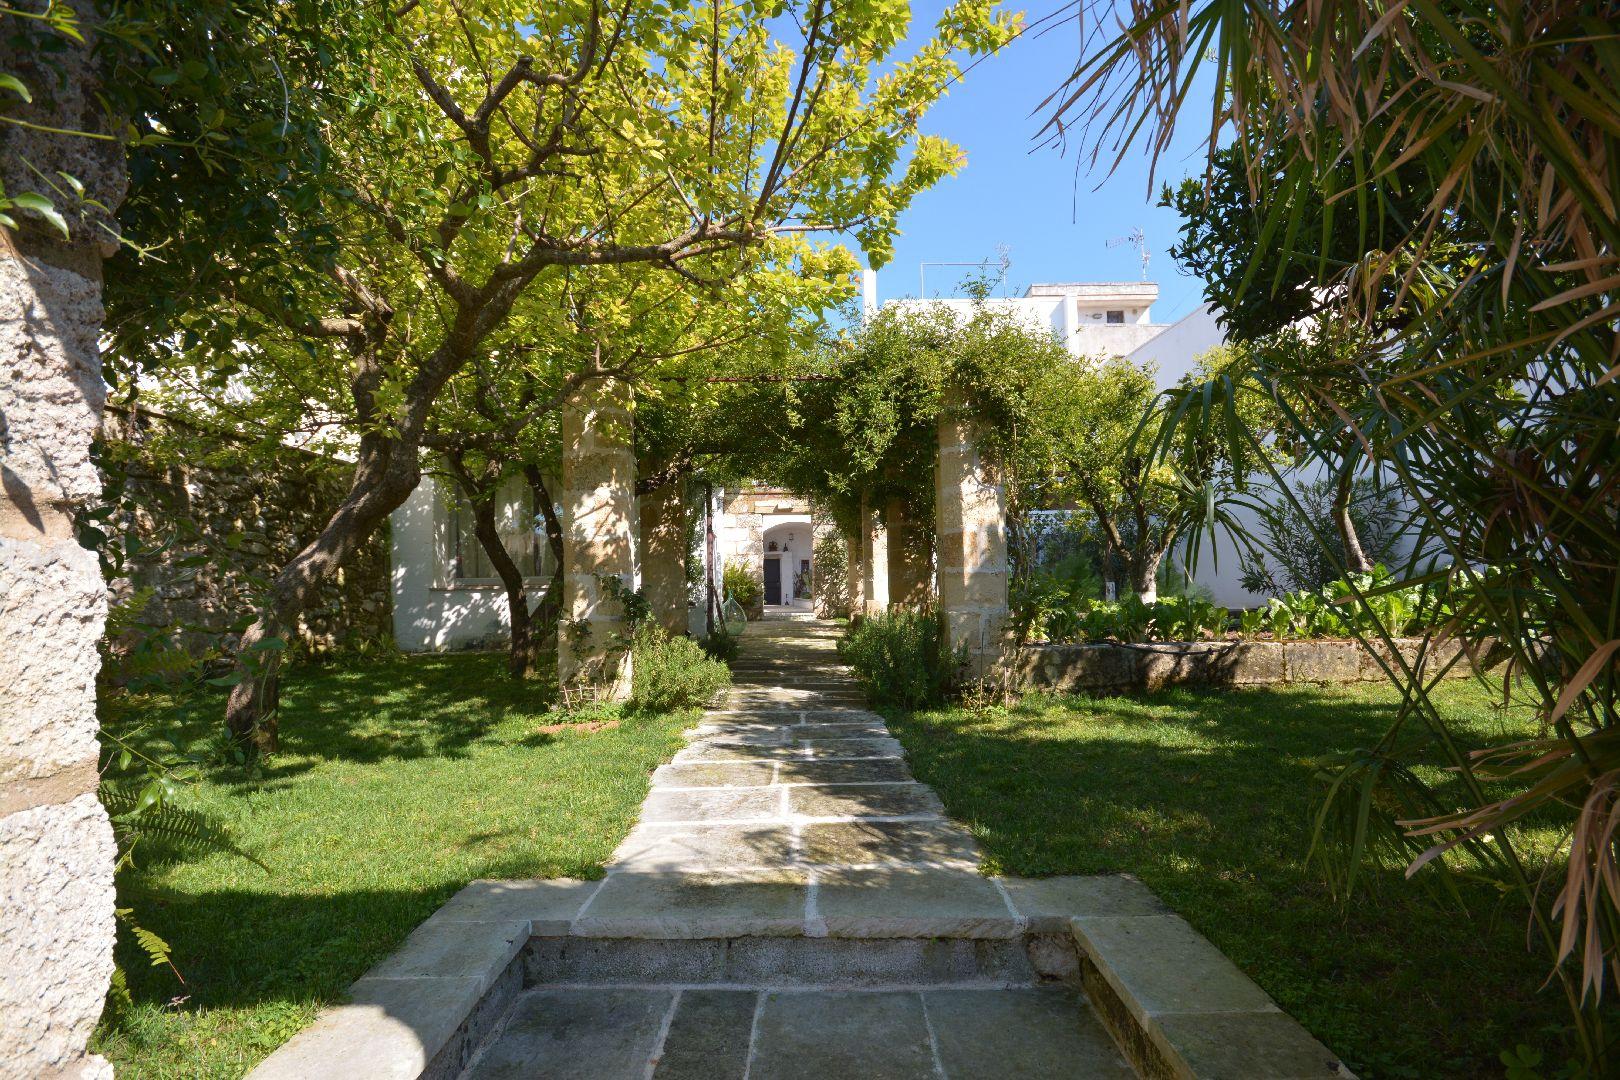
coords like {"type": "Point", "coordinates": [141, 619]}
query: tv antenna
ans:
{"type": "Point", "coordinates": [1002, 261]}
{"type": "Point", "coordinates": [1139, 239]}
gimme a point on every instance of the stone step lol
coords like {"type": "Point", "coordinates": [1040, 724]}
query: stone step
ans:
{"type": "Point", "coordinates": [704, 1033]}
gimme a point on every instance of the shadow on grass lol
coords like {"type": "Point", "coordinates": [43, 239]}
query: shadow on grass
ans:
{"type": "Point", "coordinates": [1210, 798]}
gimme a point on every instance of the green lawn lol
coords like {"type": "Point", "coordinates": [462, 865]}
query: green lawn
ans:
{"type": "Point", "coordinates": [399, 780]}
{"type": "Point", "coordinates": [1209, 799]}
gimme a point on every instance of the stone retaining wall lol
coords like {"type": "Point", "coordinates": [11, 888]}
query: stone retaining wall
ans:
{"type": "Point", "coordinates": [217, 533]}
{"type": "Point", "coordinates": [1109, 666]}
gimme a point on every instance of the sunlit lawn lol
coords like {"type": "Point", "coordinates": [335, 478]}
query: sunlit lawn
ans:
{"type": "Point", "coordinates": [1209, 798]}
{"type": "Point", "coordinates": [400, 780]}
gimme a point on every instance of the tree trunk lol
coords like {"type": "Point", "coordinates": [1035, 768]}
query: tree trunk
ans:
{"type": "Point", "coordinates": [520, 657]}
{"type": "Point", "coordinates": [549, 611]}
{"type": "Point", "coordinates": [1144, 572]}
{"type": "Point", "coordinates": [1355, 558]}
{"type": "Point", "coordinates": [384, 477]}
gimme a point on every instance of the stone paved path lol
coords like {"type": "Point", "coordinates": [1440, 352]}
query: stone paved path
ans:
{"type": "Point", "coordinates": [791, 812]}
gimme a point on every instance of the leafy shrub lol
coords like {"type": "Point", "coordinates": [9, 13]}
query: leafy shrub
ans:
{"type": "Point", "coordinates": [1331, 611]}
{"type": "Point", "coordinates": [672, 673]}
{"type": "Point", "coordinates": [1175, 618]}
{"type": "Point", "coordinates": [721, 646]}
{"type": "Point", "coordinates": [740, 585]}
{"type": "Point", "coordinates": [1302, 563]}
{"type": "Point", "coordinates": [901, 659]}
{"type": "Point", "coordinates": [1048, 604]}
{"type": "Point", "coordinates": [832, 577]}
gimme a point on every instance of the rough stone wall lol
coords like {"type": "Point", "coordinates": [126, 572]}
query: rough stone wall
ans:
{"type": "Point", "coordinates": [218, 533]}
{"type": "Point", "coordinates": [56, 846]}
{"type": "Point", "coordinates": [663, 556]}
{"type": "Point", "coordinates": [911, 558]}
{"type": "Point", "coordinates": [971, 527]}
{"type": "Point", "coordinates": [601, 537]}
{"type": "Point", "coordinates": [874, 562]}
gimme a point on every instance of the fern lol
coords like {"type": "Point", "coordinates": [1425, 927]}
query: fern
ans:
{"type": "Point", "coordinates": [145, 814]}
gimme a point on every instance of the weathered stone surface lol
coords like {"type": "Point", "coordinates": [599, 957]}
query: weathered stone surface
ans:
{"type": "Point", "coordinates": [1158, 964]}
{"type": "Point", "coordinates": [652, 848]}
{"type": "Point", "coordinates": [719, 748]}
{"type": "Point", "coordinates": [56, 933]}
{"type": "Point", "coordinates": [1252, 663]}
{"type": "Point", "coordinates": [1192, 663]}
{"type": "Point", "coordinates": [868, 729]}
{"type": "Point", "coordinates": [1031, 1034]}
{"type": "Point", "coordinates": [1323, 661]}
{"type": "Point", "coordinates": [852, 748]}
{"type": "Point", "coordinates": [1264, 1046]}
{"type": "Point", "coordinates": [878, 843]}
{"type": "Point", "coordinates": [591, 961]}
{"type": "Point", "coordinates": [881, 771]}
{"type": "Point", "coordinates": [697, 904]}
{"type": "Point", "coordinates": [739, 804]}
{"type": "Point", "coordinates": [709, 1036]}
{"type": "Point", "coordinates": [1049, 903]}
{"type": "Point", "coordinates": [452, 948]}
{"type": "Point", "coordinates": [739, 774]}
{"type": "Point", "coordinates": [540, 902]}
{"type": "Point", "coordinates": [577, 1035]}
{"type": "Point", "coordinates": [391, 1028]}
{"type": "Point", "coordinates": [911, 903]}
{"type": "Point", "coordinates": [833, 1036]}
{"type": "Point", "coordinates": [863, 800]}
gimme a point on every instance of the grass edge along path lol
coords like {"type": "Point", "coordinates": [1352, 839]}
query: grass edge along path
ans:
{"type": "Point", "coordinates": [400, 779]}
{"type": "Point", "coordinates": [1209, 798]}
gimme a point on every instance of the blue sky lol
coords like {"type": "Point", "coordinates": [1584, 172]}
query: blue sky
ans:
{"type": "Point", "coordinates": [1011, 192]}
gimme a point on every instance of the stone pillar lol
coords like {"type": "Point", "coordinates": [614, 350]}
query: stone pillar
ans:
{"type": "Point", "coordinates": [854, 575]}
{"type": "Point", "coordinates": [663, 556]}
{"type": "Point", "coordinates": [971, 521]}
{"type": "Point", "coordinates": [874, 562]}
{"type": "Point", "coordinates": [56, 846]}
{"type": "Point", "coordinates": [911, 559]}
{"type": "Point", "coordinates": [600, 538]}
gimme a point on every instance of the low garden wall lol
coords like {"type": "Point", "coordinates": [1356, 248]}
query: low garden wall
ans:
{"type": "Point", "coordinates": [1112, 666]}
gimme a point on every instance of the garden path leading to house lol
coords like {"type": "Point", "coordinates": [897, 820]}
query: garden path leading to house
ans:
{"type": "Point", "coordinates": [793, 903]}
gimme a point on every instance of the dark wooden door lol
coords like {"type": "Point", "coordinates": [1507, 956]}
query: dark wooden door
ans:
{"type": "Point", "coordinates": [773, 581]}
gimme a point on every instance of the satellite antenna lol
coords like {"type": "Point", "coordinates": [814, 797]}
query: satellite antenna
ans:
{"type": "Point", "coordinates": [1138, 238]}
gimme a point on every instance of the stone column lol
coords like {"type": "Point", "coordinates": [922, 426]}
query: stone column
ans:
{"type": "Point", "coordinates": [911, 559]}
{"type": "Point", "coordinates": [971, 521]}
{"type": "Point", "coordinates": [874, 562]}
{"type": "Point", "coordinates": [56, 846]}
{"type": "Point", "coordinates": [663, 556]}
{"type": "Point", "coordinates": [853, 576]}
{"type": "Point", "coordinates": [600, 538]}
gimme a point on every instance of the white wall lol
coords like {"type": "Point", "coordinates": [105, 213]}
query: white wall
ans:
{"type": "Point", "coordinates": [1174, 349]}
{"type": "Point", "coordinates": [433, 612]}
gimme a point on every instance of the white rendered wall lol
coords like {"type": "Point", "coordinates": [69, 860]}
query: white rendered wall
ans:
{"type": "Point", "coordinates": [432, 612]}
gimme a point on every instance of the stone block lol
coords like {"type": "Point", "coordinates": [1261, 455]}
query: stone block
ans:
{"type": "Point", "coordinates": [590, 961]}
{"type": "Point", "coordinates": [728, 804]}
{"type": "Point", "coordinates": [1323, 661]}
{"type": "Point", "coordinates": [699, 904]}
{"type": "Point", "coordinates": [881, 771]}
{"type": "Point", "coordinates": [911, 903]}
{"type": "Point", "coordinates": [654, 848]}
{"type": "Point", "coordinates": [581, 1034]}
{"type": "Point", "coordinates": [1251, 663]}
{"type": "Point", "coordinates": [1261, 1045]}
{"type": "Point", "coordinates": [1033, 1034]}
{"type": "Point", "coordinates": [1192, 663]}
{"type": "Point", "coordinates": [451, 948]}
{"type": "Point", "coordinates": [888, 843]}
{"type": "Point", "coordinates": [723, 774]}
{"type": "Point", "coordinates": [553, 901]}
{"type": "Point", "coordinates": [1047, 904]}
{"type": "Point", "coordinates": [709, 1036]}
{"type": "Point", "coordinates": [852, 749]}
{"type": "Point", "coordinates": [830, 1035]}
{"type": "Point", "coordinates": [1158, 964]}
{"type": "Point", "coordinates": [863, 800]}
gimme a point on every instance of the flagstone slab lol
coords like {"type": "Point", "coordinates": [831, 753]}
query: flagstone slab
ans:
{"type": "Point", "coordinates": [672, 848]}
{"type": "Point", "coordinates": [544, 903]}
{"type": "Point", "coordinates": [1032, 1034]}
{"type": "Point", "coordinates": [874, 771]}
{"type": "Point", "coordinates": [853, 1035]}
{"type": "Point", "coordinates": [720, 804]}
{"type": "Point", "coordinates": [448, 949]}
{"type": "Point", "coordinates": [1049, 903]}
{"type": "Point", "coordinates": [721, 749]}
{"type": "Point", "coordinates": [698, 904]}
{"type": "Point", "coordinates": [1158, 964]}
{"type": "Point", "coordinates": [851, 748]}
{"type": "Point", "coordinates": [576, 1035]}
{"type": "Point", "coordinates": [864, 729]}
{"type": "Point", "coordinates": [863, 800]}
{"type": "Point", "coordinates": [868, 843]}
{"type": "Point", "coordinates": [1261, 1046]}
{"type": "Point", "coordinates": [708, 1036]}
{"type": "Point", "coordinates": [911, 903]}
{"type": "Point", "coordinates": [722, 774]}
